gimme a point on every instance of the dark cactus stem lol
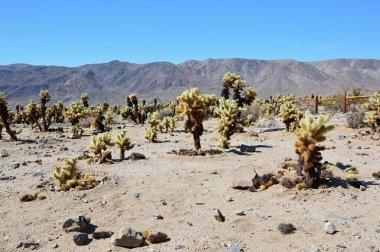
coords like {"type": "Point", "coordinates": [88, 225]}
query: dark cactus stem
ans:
{"type": "Point", "coordinates": [225, 93]}
{"type": "Point", "coordinates": [43, 114]}
{"type": "Point", "coordinates": [4, 119]}
{"type": "Point", "coordinates": [155, 103]}
{"type": "Point", "coordinates": [129, 103]}
{"type": "Point", "coordinates": [99, 123]}
{"type": "Point", "coordinates": [121, 154]}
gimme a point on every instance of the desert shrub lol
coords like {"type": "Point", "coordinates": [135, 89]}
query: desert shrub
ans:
{"type": "Point", "coordinates": [355, 119]}
{"type": "Point", "coordinates": [253, 110]}
{"type": "Point", "coordinates": [164, 113]}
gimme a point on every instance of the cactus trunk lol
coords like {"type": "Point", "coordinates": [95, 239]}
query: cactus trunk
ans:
{"type": "Point", "coordinates": [121, 154]}
{"type": "Point", "coordinates": [197, 141]}
{"type": "Point", "coordinates": [9, 131]}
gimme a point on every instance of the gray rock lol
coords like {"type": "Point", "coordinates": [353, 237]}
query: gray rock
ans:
{"type": "Point", "coordinates": [19, 244]}
{"type": "Point", "coordinates": [81, 239]}
{"type": "Point", "coordinates": [128, 238]}
{"type": "Point", "coordinates": [267, 123]}
{"type": "Point", "coordinates": [242, 177]}
{"type": "Point", "coordinates": [210, 242]}
{"type": "Point", "coordinates": [233, 247]}
{"type": "Point", "coordinates": [136, 195]}
{"type": "Point", "coordinates": [329, 228]}
{"type": "Point", "coordinates": [76, 223]}
{"type": "Point", "coordinates": [55, 246]}
{"type": "Point", "coordinates": [247, 148]}
{"type": "Point", "coordinates": [179, 246]}
{"type": "Point", "coordinates": [341, 137]}
{"type": "Point", "coordinates": [158, 216]}
{"type": "Point", "coordinates": [16, 165]}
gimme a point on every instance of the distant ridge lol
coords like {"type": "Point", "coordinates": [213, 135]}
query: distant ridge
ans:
{"type": "Point", "coordinates": [112, 81]}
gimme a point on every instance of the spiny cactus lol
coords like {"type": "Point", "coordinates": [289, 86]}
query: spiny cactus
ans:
{"type": "Point", "coordinates": [234, 81]}
{"type": "Point", "coordinates": [289, 113]}
{"type": "Point", "coordinates": [68, 171]}
{"type": "Point", "coordinates": [151, 135]}
{"type": "Point", "coordinates": [195, 106]}
{"type": "Point", "coordinates": [99, 145]}
{"type": "Point", "coordinates": [123, 142]}
{"type": "Point", "coordinates": [55, 112]}
{"type": "Point", "coordinates": [109, 118]}
{"type": "Point", "coordinates": [33, 112]}
{"type": "Point", "coordinates": [73, 114]}
{"type": "Point", "coordinates": [45, 98]}
{"type": "Point", "coordinates": [97, 112]}
{"type": "Point", "coordinates": [310, 133]}
{"type": "Point", "coordinates": [153, 120]}
{"type": "Point", "coordinates": [84, 98]}
{"type": "Point", "coordinates": [4, 120]}
{"type": "Point", "coordinates": [229, 122]}
{"type": "Point", "coordinates": [372, 117]}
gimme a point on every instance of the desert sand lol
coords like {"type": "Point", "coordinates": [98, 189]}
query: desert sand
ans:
{"type": "Point", "coordinates": [186, 191]}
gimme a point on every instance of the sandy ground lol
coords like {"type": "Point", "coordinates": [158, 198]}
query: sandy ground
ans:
{"type": "Point", "coordinates": [192, 190]}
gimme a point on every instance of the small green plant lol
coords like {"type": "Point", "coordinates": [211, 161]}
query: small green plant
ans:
{"type": "Point", "coordinates": [4, 117]}
{"type": "Point", "coordinates": [195, 106]}
{"type": "Point", "coordinates": [310, 133]}
{"type": "Point", "coordinates": [123, 142]}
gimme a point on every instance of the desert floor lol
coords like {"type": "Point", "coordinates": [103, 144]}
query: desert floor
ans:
{"type": "Point", "coordinates": [193, 188]}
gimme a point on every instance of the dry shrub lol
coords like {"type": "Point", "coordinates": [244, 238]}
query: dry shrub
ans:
{"type": "Point", "coordinates": [164, 113]}
{"type": "Point", "coordinates": [86, 121]}
{"type": "Point", "coordinates": [355, 119]}
{"type": "Point", "coordinates": [254, 110]}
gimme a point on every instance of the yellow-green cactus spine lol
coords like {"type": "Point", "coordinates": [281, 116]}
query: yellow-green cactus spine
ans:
{"type": "Point", "coordinates": [123, 142]}
{"type": "Point", "coordinates": [310, 133]}
{"type": "Point", "coordinates": [289, 113]}
{"type": "Point", "coordinates": [229, 122]}
{"type": "Point", "coordinates": [66, 172]}
{"type": "Point", "coordinates": [151, 135]}
{"type": "Point", "coordinates": [372, 117]}
{"type": "Point", "coordinates": [195, 106]}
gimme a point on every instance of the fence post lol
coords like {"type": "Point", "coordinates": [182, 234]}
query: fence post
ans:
{"type": "Point", "coordinates": [316, 104]}
{"type": "Point", "coordinates": [345, 103]}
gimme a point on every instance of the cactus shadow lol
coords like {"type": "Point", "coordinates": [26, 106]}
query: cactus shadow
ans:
{"type": "Point", "coordinates": [91, 228]}
{"type": "Point", "coordinates": [273, 130]}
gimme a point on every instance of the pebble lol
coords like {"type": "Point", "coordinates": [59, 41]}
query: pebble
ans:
{"type": "Point", "coordinates": [76, 223]}
{"type": "Point", "coordinates": [101, 235]}
{"type": "Point", "coordinates": [81, 239]}
{"type": "Point", "coordinates": [240, 213]}
{"type": "Point", "coordinates": [54, 246]}
{"type": "Point", "coordinates": [137, 195]}
{"type": "Point", "coordinates": [329, 228]}
{"type": "Point", "coordinates": [179, 246]}
{"type": "Point", "coordinates": [84, 200]}
{"type": "Point", "coordinates": [233, 247]}
{"type": "Point", "coordinates": [158, 217]}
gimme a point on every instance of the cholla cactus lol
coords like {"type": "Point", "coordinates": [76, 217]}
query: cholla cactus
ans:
{"type": "Point", "coordinates": [109, 117]}
{"type": "Point", "coordinates": [33, 113]}
{"type": "Point", "coordinates": [195, 107]}
{"type": "Point", "coordinates": [151, 135]}
{"type": "Point", "coordinates": [232, 80]}
{"type": "Point", "coordinates": [153, 120]}
{"type": "Point", "coordinates": [97, 112]}
{"type": "Point", "coordinates": [84, 98]}
{"type": "Point", "coordinates": [4, 120]}
{"type": "Point", "coordinates": [311, 132]}
{"type": "Point", "coordinates": [99, 145]}
{"type": "Point", "coordinates": [173, 123]}
{"type": "Point", "coordinates": [372, 117]}
{"type": "Point", "coordinates": [165, 124]}
{"type": "Point", "coordinates": [69, 171]}
{"type": "Point", "coordinates": [229, 122]}
{"type": "Point", "coordinates": [289, 113]}
{"type": "Point", "coordinates": [75, 112]}
{"type": "Point", "coordinates": [45, 98]}
{"type": "Point", "coordinates": [55, 112]}
{"type": "Point", "coordinates": [123, 142]}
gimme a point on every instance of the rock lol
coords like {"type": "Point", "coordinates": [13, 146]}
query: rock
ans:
{"type": "Point", "coordinates": [7, 177]}
{"type": "Point", "coordinates": [29, 244]}
{"type": "Point", "coordinates": [329, 228]}
{"type": "Point", "coordinates": [19, 244]}
{"type": "Point", "coordinates": [136, 195]}
{"type": "Point", "coordinates": [286, 228]}
{"type": "Point", "coordinates": [341, 137]}
{"type": "Point", "coordinates": [136, 156]}
{"type": "Point", "coordinates": [158, 237]}
{"type": "Point", "coordinates": [158, 217]}
{"type": "Point", "coordinates": [55, 246]}
{"type": "Point", "coordinates": [76, 223]}
{"type": "Point", "coordinates": [81, 239]}
{"type": "Point", "coordinates": [240, 213]}
{"type": "Point", "coordinates": [230, 199]}
{"type": "Point", "coordinates": [242, 177]}
{"type": "Point", "coordinates": [153, 250]}
{"type": "Point", "coordinates": [179, 246]}
{"type": "Point", "coordinates": [128, 238]}
{"type": "Point", "coordinates": [267, 123]}
{"type": "Point", "coordinates": [233, 247]}
{"type": "Point", "coordinates": [101, 235]}
{"type": "Point", "coordinates": [16, 165]}
{"type": "Point", "coordinates": [210, 242]}
{"type": "Point", "coordinates": [219, 216]}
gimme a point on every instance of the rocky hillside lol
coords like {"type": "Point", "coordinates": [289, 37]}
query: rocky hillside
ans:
{"type": "Point", "coordinates": [114, 80]}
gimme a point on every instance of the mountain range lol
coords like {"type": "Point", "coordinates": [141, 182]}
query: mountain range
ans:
{"type": "Point", "coordinates": [114, 80]}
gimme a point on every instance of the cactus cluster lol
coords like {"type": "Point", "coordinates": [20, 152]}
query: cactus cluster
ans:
{"type": "Point", "coordinates": [372, 116]}
{"type": "Point", "coordinates": [73, 114]}
{"type": "Point", "coordinates": [99, 144]}
{"type": "Point", "coordinates": [195, 106]}
{"type": "Point", "coordinates": [310, 133]}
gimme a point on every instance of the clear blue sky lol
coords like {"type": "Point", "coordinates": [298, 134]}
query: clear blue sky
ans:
{"type": "Point", "coordinates": [76, 32]}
